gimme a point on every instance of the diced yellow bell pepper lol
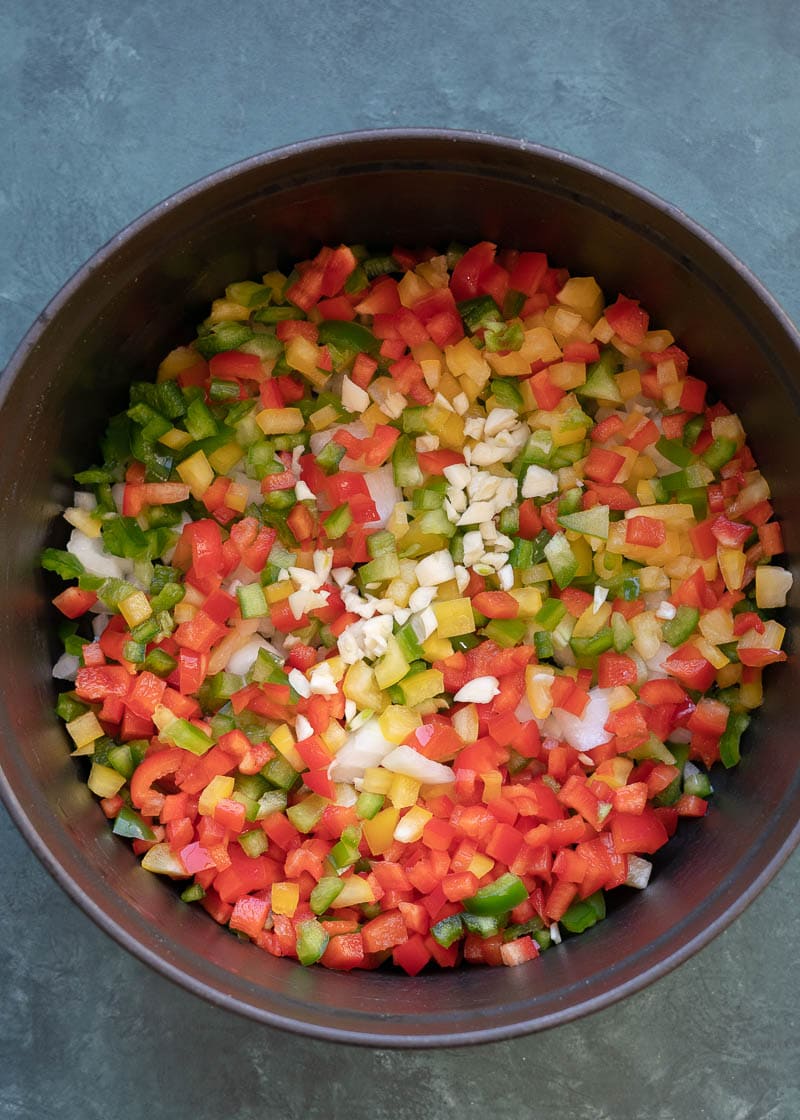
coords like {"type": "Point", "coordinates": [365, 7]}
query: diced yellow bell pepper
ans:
{"type": "Point", "coordinates": [646, 634]}
{"type": "Point", "coordinates": [334, 736]}
{"type": "Point", "coordinates": [729, 675]}
{"type": "Point", "coordinates": [751, 695]}
{"type": "Point", "coordinates": [717, 626]}
{"type": "Point", "coordinates": [104, 781]}
{"type": "Point", "coordinates": [614, 772]}
{"type": "Point", "coordinates": [567, 375]}
{"type": "Point", "coordinates": [711, 653]}
{"type": "Point", "coordinates": [392, 667]}
{"type": "Point", "coordinates": [373, 416]}
{"type": "Point", "coordinates": [398, 519]}
{"type": "Point", "coordinates": [454, 618]}
{"type": "Point", "coordinates": [404, 791]}
{"type": "Point", "coordinates": [629, 384]}
{"type": "Point", "coordinates": [179, 359]}
{"type": "Point", "coordinates": [197, 473]}
{"type": "Point", "coordinates": [492, 785]}
{"type": "Point", "coordinates": [84, 729]}
{"type": "Point", "coordinates": [276, 282]}
{"type": "Point", "coordinates": [377, 780]}
{"type": "Point", "coordinates": [280, 421]}
{"type": "Point", "coordinates": [422, 686]}
{"type": "Point", "coordinates": [237, 497]}
{"type": "Point", "coordinates": [463, 359]}
{"type": "Point", "coordinates": [220, 786]}
{"type": "Point", "coordinates": [582, 294]}
{"type": "Point", "coordinates": [772, 586]}
{"type": "Point", "coordinates": [529, 599]}
{"type": "Point", "coordinates": [620, 697]}
{"type": "Point", "coordinates": [176, 439]}
{"type": "Point", "coordinates": [277, 592]}
{"type": "Point", "coordinates": [285, 898]}
{"type": "Point", "coordinates": [361, 687]}
{"type": "Point", "coordinates": [135, 608]}
{"type": "Point", "coordinates": [282, 740]}
{"type": "Point", "coordinates": [323, 418]}
{"type": "Point", "coordinates": [410, 827]}
{"type": "Point", "coordinates": [480, 865]}
{"type": "Point", "coordinates": [397, 722]}
{"type": "Point", "coordinates": [732, 563]}
{"type": "Point", "coordinates": [602, 330]}
{"type": "Point", "coordinates": [225, 310]}
{"type": "Point", "coordinates": [379, 832]}
{"type": "Point", "coordinates": [412, 288]}
{"type": "Point", "coordinates": [356, 892]}
{"type": "Point", "coordinates": [592, 621]}
{"type": "Point", "coordinates": [225, 458]}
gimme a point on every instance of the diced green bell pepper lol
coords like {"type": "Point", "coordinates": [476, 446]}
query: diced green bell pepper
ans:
{"type": "Point", "coordinates": [312, 941]}
{"type": "Point", "coordinates": [498, 897]}
{"type": "Point", "coordinates": [680, 628]}
{"type": "Point", "coordinates": [561, 559]}
{"type": "Point", "coordinates": [582, 915]}
{"type": "Point", "coordinates": [448, 930]}
{"type": "Point", "coordinates": [325, 892]}
{"type": "Point", "coordinates": [349, 336]}
{"type": "Point", "coordinates": [730, 741]}
{"type": "Point", "coordinates": [591, 522]}
{"type": "Point", "coordinates": [129, 823]}
{"type": "Point", "coordinates": [600, 383]}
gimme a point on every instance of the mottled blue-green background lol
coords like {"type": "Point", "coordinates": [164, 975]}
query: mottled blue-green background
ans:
{"type": "Point", "coordinates": [108, 107]}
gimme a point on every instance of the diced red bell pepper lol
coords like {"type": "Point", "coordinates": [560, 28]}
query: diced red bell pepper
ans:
{"type": "Point", "coordinates": [154, 767]}
{"type": "Point", "coordinates": [627, 319]}
{"type": "Point", "coordinates": [470, 269]}
{"type": "Point", "coordinates": [98, 682]}
{"type": "Point", "coordinates": [496, 604]}
{"type": "Point", "coordinates": [206, 545]}
{"type": "Point", "coordinates": [602, 465]}
{"type": "Point", "coordinates": [649, 532]}
{"type": "Point", "coordinates": [384, 932]}
{"type": "Point", "coordinates": [607, 428]}
{"type": "Point", "coordinates": [729, 533]}
{"type": "Point", "coordinates": [615, 669]}
{"type": "Point", "coordinates": [73, 602]}
{"type": "Point", "coordinates": [546, 394]}
{"type": "Point", "coordinates": [689, 666]}
{"type": "Point", "coordinates": [645, 435]}
{"type": "Point", "coordinates": [693, 395]}
{"type": "Point", "coordinates": [234, 364]}
{"type": "Point", "coordinates": [637, 833]}
{"type": "Point", "coordinates": [345, 952]}
{"type": "Point", "coordinates": [199, 633]}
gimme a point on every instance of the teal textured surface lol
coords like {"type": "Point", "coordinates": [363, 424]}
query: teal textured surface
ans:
{"type": "Point", "coordinates": [107, 108]}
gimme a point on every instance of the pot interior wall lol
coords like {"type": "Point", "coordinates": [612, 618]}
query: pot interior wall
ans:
{"type": "Point", "coordinates": [147, 296]}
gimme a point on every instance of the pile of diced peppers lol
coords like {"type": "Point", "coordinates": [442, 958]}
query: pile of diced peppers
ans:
{"type": "Point", "coordinates": [202, 769]}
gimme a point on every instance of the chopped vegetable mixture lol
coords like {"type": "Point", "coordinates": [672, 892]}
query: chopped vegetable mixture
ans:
{"type": "Point", "coordinates": [412, 605]}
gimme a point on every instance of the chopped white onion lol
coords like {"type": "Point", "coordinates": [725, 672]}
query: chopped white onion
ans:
{"type": "Point", "coordinates": [480, 690]}
{"type": "Point", "coordinates": [405, 760]}
{"type": "Point", "coordinates": [638, 872]}
{"type": "Point", "coordinates": [587, 731]}
{"type": "Point", "coordinates": [383, 492]}
{"type": "Point", "coordinates": [66, 668]}
{"type": "Point", "coordinates": [364, 748]}
{"type": "Point", "coordinates": [243, 659]}
{"type": "Point", "coordinates": [89, 550]}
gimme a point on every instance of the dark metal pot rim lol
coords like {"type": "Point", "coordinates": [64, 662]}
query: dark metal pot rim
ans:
{"type": "Point", "coordinates": [658, 962]}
